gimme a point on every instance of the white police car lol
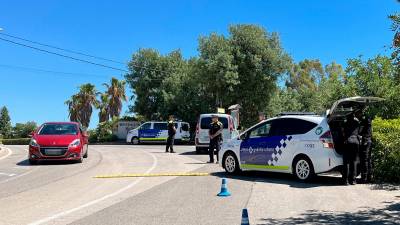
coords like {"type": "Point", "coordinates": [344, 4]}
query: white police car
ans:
{"type": "Point", "coordinates": [157, 132]}
{"type": "Point", "coordinates": [303, 144]}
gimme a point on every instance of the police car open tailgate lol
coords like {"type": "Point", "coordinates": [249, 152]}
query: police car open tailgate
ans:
{"type": "Point", "coordinates": [345, 106]}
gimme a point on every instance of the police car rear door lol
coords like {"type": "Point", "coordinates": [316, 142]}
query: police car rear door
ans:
{"type": "Point", "coordinates": [346, 106]}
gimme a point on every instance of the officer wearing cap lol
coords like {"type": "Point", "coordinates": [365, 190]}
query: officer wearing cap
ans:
{"type": "Point", "coordinates": [171, 134]}
{"type": "Point", "coordinates": [215, 134]}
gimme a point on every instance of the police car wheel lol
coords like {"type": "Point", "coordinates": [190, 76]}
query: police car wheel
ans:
{"type": "Point", "coordinates": [135, 140]}
{"type": "Point", "coordinates": [303, 169]}
{"type": "Point", "coordinates": [231, 164]}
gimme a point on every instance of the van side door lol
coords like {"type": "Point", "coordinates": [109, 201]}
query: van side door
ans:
{"type": "Point", "coordinates": [160, 131]}
{"type": "Point", "coordinates": [145, 131]}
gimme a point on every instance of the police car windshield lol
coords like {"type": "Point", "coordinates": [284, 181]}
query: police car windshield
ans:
{"type": "Point", "coordinates": [206, 121]}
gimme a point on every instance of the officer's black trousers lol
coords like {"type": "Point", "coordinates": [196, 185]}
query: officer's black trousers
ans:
{"type": "Point", "coordinates": [214, 144]}
{"type": "Point", "coordinates": [170, 143]}
{"type": "Point", "coordinates": [349, 162]}
{"type": "Point", "coordinates": [365, 161]}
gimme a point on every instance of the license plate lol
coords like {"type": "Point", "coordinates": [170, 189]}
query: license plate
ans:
{"type": "Point", "coordinates": [53, 151]}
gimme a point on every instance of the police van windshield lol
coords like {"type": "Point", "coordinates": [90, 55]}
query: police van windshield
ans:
{"type": "Point", "coordinates": [206, 121]}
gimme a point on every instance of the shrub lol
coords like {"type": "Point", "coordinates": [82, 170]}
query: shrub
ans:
{"type": "Point", "coordinates": [16, 141]}
{"type": "Point", "coordinates": [103, 132]}
{"type": "Point", "coordinates": [385, 150]}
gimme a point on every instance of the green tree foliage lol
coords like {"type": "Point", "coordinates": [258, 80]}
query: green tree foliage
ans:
{"type": "Point", "coordinates": [81, 105]}
{"type": "Point", "coordinates": [103, 108]}
{"type": "Point", "coordinates": [149, 85]}
{"type": "Point", "coordinates": [239, 68]}
{"type": "Point", "coordinates": [23, 130]}
{"type": "Point", "coordinates": [376, 77]}
{"type": "Point", "coordinates": [260, 60]}
{"type": "Point", "coordinates": [310, 87]}
{"type": "Point", "coordinates": [116, 95]}
{"type": "Point", "coordinates": [5, 123]}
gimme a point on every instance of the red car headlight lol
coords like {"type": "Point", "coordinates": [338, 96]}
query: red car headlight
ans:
{"type": "Point", "coordinates": [75, 143]}
{"type": "Point", "coordinates": [34, 143]}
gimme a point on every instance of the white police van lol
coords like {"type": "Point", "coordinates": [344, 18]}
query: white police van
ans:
{"type": "Point", "coordinates": [157, 132]}
{"type": "Point", "coordinates": [202, 139]}
{"type": "Point", "coordinates": [303, 144]}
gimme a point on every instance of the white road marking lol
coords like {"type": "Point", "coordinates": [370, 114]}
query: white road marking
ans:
{"type": "Point", "coordinates": [8, 174]}
{"type": "Point", "coordinates": [8, 154]}
{"type": "Point", "coordinates": [64, 213]}
{"type": "Point", "coordinates": [15, 177]}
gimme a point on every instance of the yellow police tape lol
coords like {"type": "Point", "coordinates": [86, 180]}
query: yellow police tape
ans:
{"type": "Point", "coordinates": [153, 175]}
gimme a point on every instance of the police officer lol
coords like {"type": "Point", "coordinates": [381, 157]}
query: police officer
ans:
{"type": "Point", "coordinates": [351, 147]}
{"type": "Point", "coordinates": [365, 149]}
{"type": "Point", "coordinates": [171, 134]}
{"type": "Point", "coordinates": [215, 134]}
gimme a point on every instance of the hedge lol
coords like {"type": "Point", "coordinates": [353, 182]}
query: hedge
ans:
{"type": "Point", "coordinates": [16, 141]}
{"type": "Point", "coordinates": [386, 150]}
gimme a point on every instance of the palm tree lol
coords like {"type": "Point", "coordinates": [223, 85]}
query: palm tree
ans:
{"type": "Point", "coordinates": [116, 93]}
{"type": "Point", "coordinates": [81, 105]}
{"type": "Point", "coordinates": [103, 108]}
{"type": "Point", "coordinates": [73, 108]}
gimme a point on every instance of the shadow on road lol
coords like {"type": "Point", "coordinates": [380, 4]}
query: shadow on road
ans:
{"type": "Point", "coordinates": [388, 215]}
{"type": "Point", "coordinates": [193, 153]}
{"type": "Point", "coordinates": [44, 163]}
{"type": "Point", "coordinates": [280, 178]}
{"type": "Point", "coordinates": [386, 187]}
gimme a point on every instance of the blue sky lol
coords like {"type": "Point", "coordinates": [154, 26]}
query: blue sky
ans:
{"type": "Point", "coordinates": [325, 30]}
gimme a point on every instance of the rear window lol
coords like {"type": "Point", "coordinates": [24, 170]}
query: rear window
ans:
{"type": "Point", "coordinates": [291, 126]}
{"type": "Point", "coordinates": [206, 121]}
{"type": "Point", "coordinates": [58, 129]}
{"type": "Point", "coordinates": [185, 126]}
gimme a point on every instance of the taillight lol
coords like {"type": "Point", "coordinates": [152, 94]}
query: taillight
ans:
{"type": "Point", "coordinates": [230, 124]}
{"type": "Point", "coordinates": [327, 140]}
{"type": "Point", "coordinates": [197, 129]}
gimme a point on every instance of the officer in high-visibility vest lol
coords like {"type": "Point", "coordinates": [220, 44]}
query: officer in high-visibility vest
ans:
{"type": "Point", "coordinates": [171, 134]}
{"type": "Point", "coordinates": [215, 134]}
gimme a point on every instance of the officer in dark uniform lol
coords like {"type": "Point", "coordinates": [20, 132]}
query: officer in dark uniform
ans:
{"type": "Point", "coordinates": [215, 134]}
{"type": "Point", "coordinates": [351, 148]}
{"type": "Point", "coordinates": [365, 149]}
{"type": "Point", "coordinates": [171, 134]}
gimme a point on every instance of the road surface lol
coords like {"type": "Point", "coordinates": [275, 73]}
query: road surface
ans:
{"type": "Point", "coordinates": [67, 193]}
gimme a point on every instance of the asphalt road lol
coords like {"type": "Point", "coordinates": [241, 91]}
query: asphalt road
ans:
{"type": "Point", "coordinates": [67, 193]}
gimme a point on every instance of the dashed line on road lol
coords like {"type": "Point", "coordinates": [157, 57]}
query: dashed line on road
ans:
{"type": "Point", "coordinates": [153, 175]}
{"type": "Point", "coordinates": [67, 212]}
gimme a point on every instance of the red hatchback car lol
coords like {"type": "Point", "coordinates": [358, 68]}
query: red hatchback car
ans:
{"type": "Point", "coordinates": [58, 141]}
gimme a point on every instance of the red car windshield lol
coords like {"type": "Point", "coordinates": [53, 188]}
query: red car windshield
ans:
{"type": "Point", "coordinates": [58, 129]}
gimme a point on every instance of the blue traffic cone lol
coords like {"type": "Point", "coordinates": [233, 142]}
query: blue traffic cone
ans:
{"type": "Point", "coordinates": [224, 189]}
{"type": "Point", "coordinates": [245, 217]}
